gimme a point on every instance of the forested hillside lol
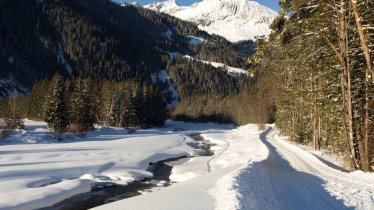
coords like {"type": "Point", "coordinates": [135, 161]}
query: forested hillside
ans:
{"type": "Point", "coordinates": [97, 39]}
{"type": "Point", "coordinates": [113, 48]}
{"type": "Point", "coordinates": [320, 59]}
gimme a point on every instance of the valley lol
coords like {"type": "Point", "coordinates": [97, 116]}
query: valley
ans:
{"type": "Point", "coordinates": [210, 104]}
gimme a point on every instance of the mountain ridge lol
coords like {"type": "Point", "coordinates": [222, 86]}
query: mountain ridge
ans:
{"type": "Point", "coordinates": [96, 38]}
{"type": "Point", "coordinates": [235, 20]}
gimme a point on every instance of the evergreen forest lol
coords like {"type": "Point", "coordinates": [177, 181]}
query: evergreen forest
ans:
{"type": "Point", "coordinates": [319, 59]}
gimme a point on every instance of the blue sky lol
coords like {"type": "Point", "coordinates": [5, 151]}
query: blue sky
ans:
{"type": "Point", "coordinates": [270, 3]}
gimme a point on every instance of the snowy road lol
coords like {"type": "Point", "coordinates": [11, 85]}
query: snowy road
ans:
{"type": "Point", "coordinates": [280, 186]}
{"type": "Point", "coordinates": [311, 182]}
{"type": "Point", "coordinates": [253, 170]}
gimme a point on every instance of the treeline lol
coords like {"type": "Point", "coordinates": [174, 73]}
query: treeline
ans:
{"type": "Point", "coordinates": [193, 77]}
{"type": "Point", "coordinates": [225, 52]}
{"type": "Point", "coordinates": [209, 94]}
{"type": "Point", "coordinates": [252, 104]}
{"type": "Point", "coordinates": [75, 105]}
{"type": "Point", "coordinates": [321, 61]}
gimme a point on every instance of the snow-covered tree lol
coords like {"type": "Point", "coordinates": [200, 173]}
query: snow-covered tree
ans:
{"type": "Point", "coordinates": [56, 112]}
{"type": "Point", "coordinates": [321, 58]}
{"type": "Point", "coordinates": [81, 112]}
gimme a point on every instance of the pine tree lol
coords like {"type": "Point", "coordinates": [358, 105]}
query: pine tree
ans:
{"type": "Point", "coordinates": [321, 58]}
{"type": "Point", "coordinates": [14, 121]}
{"type": "Point", "coordinates": [128, 111]}
{"type": "Point", "coordinates": [36, 99]}
{"type": "Point", "coordinates": [107, 103]}
{"type": "Point", "coordinates": [56, 113]}
{"type": "Point", "coordinates": [81, 113]}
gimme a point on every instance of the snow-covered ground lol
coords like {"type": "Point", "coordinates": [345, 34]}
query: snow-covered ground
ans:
{"type": "Point", "coordinates": [250, 169]}
{"type": "Point", "coordinates": [232, 71]}
{"type": "Point", "coordinates": [196, 40]}
{"type": "Point", "coordinates": [254, 170]}
{"type": "Point", "coordinates": [164, 76]}
{"type": "Point", "coordinates": [37, 171]}
{"type": "Point", "coordinates": [61, 58]}
{"type": "Point", "coordinates": [9, 86]}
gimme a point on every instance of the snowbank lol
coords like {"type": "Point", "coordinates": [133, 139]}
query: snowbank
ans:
{"type": "Point", "coordinates": [37, 171]}
{"type": "Point", "coordinates": [39, 197]}
{"type": "Point", "coordinates": [201, 185]}
{"type": "Point", "coordinates": [253, 170]}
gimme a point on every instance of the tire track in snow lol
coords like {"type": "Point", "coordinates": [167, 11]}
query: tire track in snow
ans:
{"type": "Point", "coordinates": [336, 183]}
{"type": "Point", "coordinates": [323, 170]}
{"type": "Point", "coordinates": [209, 165]}
{"type": "Point", "coordinates": [274, 183]}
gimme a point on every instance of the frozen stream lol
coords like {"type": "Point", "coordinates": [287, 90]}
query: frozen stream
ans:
{"type": "Point", "coordinates": [107, 192]}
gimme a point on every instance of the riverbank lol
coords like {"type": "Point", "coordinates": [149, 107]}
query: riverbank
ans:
{"type": "Point", "coordinates": [38, 172]}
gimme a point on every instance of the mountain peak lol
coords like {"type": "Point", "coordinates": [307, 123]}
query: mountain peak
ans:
{"type": "Point", "coordinates": [166, 6]}
{"type": "Point", "coordinates": [236, 20]}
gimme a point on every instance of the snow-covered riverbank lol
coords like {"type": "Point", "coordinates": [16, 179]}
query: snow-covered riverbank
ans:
{"type": "Point", "coordinates": [37, 171]}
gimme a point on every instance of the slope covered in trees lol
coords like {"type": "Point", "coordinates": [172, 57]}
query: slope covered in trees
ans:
{"type": "Point", "coordinates": [119, 48]}
{"type": "Point", "coordinates": [193, 77]}
{"type": "Point", "coordinates": [321, 62]}
{"type": "Point", "coordinates": [97, 39]}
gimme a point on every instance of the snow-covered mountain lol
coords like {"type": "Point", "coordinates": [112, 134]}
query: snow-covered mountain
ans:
{"type": "Point", "coordinates": [236, 20]}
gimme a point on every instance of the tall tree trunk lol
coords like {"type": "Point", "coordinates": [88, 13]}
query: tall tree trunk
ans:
{"type": "Point", "coordinates": [366, 160]}
{"type": "Point", "coordinates": [315, 117]}
{"type": "Point", "coordinates": [361, 33]}
{"type": "Point", "coordinates": [369, 73]}
{"type": "Point", "coordinates": [346, 85]}
{"type": "Point", "coordinates": [319, 133]}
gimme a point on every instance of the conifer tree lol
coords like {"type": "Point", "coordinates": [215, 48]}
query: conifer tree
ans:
{"type": "Point", "coordinates": [107, 101]}
{"type": "Point", "coordinates": [37, 99]}
{"type": "Point", "coordinates": [81, 113]}
{"type": "Point", "coordinates": [321, 58]}
{"type": "Point", "coordinates": [56, 113]}
{"type": "Point", "coordinates": [14, 121]}
{"type": "Point", "coordinates": [128, 111]}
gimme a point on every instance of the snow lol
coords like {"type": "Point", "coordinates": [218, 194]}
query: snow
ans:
{"type": "Point", "coordinates": [165, 7]}
{"type": "Point", "coordinates": [168, 34]}
{"type": "Point", "coordinates": [61, 59]}
{"type": "Point", "coordinates": [256, 170]}
{"type": "Point", "coordinates": [37, 171]}
{"type": "Point", "coordinates": [325, 156]}
{"type": "Point", "coordinates": [9, 87]}
{"type": "Point", "coordinates": [29, 197]}
{"type": "Point", "coordinates": [134, 3]}
{"type": "Point", "coordinates": [236, 20]}
{"type": "Point", "coordinates": [163, 75]}
{"type": "Point", "coordinates": [196, 40]}
{"type": "Point", "coordinates": [355, 189]}
{"type": "Point", "coordinates": [232, 71]}
{"type": "Point", "coordinates": [250, 169]}
{"type": "Point", "coordinates": [173, 55]}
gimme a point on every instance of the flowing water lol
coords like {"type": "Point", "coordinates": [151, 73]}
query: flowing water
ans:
{"type": "Point", "coordinates": [107, 192]}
